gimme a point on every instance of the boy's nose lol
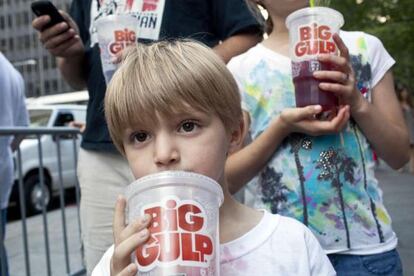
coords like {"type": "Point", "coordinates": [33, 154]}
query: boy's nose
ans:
{"type": "Point", "coordinates": [165, 153]}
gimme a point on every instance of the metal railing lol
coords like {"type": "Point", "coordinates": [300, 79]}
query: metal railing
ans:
{"type": "Point", "coordinates": [57, 133]}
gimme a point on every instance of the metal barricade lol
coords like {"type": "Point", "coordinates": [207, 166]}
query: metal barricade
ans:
{"type": "Point", "coordinates": [48, 269]}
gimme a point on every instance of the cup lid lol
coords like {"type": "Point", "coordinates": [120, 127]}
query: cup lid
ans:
{"type": "Point", "coordinates": [314, 11]}
{"type": "Point", "coordinates": [181, 178]}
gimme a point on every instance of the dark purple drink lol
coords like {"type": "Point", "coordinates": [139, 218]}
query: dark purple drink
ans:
{"type": "Point", "coordinates": [307, 90]}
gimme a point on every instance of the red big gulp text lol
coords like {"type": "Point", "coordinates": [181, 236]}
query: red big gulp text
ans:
{"type": "Point", "coordinates": [122, 39]}
{"type": "Point", "coordinates": [314, 39]}
{"type": "Point", "coordinates": [178, 236]}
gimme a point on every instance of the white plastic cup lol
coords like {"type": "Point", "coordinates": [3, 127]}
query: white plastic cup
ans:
{"type": "Point", "coordinates": [184, 208]}
{"type": "Point", "coordinates": [115, 32]}
{"type": "Point", "coordinates": [310, 34]}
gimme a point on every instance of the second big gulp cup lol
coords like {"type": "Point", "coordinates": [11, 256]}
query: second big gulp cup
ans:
{"type": "Point", "coordinates": [184, 210]}
{"type": "Point", "coordinates": [115, 32]}
{"type": "Point", "coordinates": [310, 34]}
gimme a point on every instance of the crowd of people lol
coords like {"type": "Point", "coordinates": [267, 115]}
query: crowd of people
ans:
{"type": "Point", "coordinates": [309, 183]}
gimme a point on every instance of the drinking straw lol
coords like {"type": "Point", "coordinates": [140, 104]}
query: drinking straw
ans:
{"type": "Point", "coordinates": [312, 3]}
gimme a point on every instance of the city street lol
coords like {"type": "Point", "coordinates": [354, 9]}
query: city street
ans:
{"type": "Point", "coordinates": [398, 195]}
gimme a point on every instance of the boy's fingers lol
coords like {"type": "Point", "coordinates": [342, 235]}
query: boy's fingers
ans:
{"type": "Point", "coordinates": [119, 218]}
{"type": "Point", "coordinates": [130, 270]}
{"type": "Point", "coordinates": [123, 250]}
{"type": "Point", "coordinates": [136, 226]}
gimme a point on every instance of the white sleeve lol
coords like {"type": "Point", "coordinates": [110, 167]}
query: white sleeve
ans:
{"type": "Point", "coordinates": [379, 58]}
{"type": "Point", "coordinates": [21, 117]}
{"type": "Point", "coordinates": [318, 261]}
{"type": "Point", "coordinates": [103, 268]}
{"type": "Point", "coordinates": [234, 67]}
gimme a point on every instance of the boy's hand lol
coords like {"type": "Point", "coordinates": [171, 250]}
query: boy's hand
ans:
{"type": "Point", "coordinates": [304, 120]}
{"type": "Point", "coordinates": [62, 39]}
{"type": "Point", "coordinates": [126, 239]}
{"type": "Point", "coordinates": [343, 79]}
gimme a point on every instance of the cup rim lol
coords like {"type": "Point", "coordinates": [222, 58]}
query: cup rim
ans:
{"type": "Point", "coordinates": [184, 178]}
{"type": "Point", "coordinates": [310, 11]}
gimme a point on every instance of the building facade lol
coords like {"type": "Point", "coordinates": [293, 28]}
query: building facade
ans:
{"type": "Point", "coordinates": [20, 43]}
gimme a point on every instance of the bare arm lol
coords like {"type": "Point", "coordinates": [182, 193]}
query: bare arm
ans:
{"type": "Point", "coordinates": [236, 45]}
{"type": "Point", "coordinates": [244, 164]}
{"type": "Point", "coordinates": [72, 71]}
{"type": "Point", "coordinates": [382, 122]}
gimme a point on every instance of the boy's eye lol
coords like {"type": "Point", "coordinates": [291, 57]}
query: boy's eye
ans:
{"type": "Point", "coordinates": [140, 137]}
{"type": "Point", "coordinates": [188, 126]}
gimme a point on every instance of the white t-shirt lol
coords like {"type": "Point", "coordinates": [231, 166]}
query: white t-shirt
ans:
{"type": "Point", "coordinates": [327, 182]}
{"type": "Point", "coordinates": [12, 113]}
{"type": "Point", "coordinates": [276, 246]}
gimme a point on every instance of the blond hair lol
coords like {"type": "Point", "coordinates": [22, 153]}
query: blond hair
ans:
{"type": "Point", "coordinates": [167, 77]}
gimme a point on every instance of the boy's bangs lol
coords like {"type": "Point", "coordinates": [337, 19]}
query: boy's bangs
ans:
{"type": "Point", "coordinates": [142, 101]}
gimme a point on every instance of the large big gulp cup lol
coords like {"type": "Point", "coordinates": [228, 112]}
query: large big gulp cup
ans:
{"type": "Point", "coordinates": [115, 32]}
{"type": "Point", "coordinates": [184, 210]}
{"type": "Point", "coordinates": [310, 34]}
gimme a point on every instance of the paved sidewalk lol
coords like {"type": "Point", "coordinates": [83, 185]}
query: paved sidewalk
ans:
{"type": "Point", "coordinates": [398, 191]}
{"type": "Point", "coordinates": [37, 251]}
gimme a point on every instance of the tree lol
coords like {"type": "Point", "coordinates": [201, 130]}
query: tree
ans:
{"type": "Point", "coordinates": [333, 164]}
{"type": "Point", "coordinates": [392, 22]}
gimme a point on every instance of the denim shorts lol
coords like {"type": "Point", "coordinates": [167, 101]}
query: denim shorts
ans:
{"type": "Point", "coordinates": [387, 263]}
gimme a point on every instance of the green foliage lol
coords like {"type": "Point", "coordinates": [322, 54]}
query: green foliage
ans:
{"type": "Point", "coordinates": [392, 21]}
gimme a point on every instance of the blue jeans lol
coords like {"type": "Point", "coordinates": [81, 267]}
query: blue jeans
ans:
{"type": "Point", "coordinates": [387, 264]}
{"type": "Point", "coordinates": [4, 267]}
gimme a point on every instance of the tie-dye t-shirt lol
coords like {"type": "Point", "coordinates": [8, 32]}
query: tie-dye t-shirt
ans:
{"type": "Point", "coordinates": [326, 182]}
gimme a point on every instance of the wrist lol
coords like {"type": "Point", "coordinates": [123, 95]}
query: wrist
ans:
{"type": "Point", "coordinates": [282, 126]}
{"type": "Point", "coordinates": [360, 107]}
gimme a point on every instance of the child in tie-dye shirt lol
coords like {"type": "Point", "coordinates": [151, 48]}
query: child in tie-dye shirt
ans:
{"type": "Point", "coordinates": [322, 172]}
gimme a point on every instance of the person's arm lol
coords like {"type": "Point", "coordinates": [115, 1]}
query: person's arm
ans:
{"type": "Point", "coordinates": [381, 121]}
{"type": "Point", "coordinates": [63, 41]}
{"type": "Point", "coordinates": [236, 45]}
{"type": "Point", "coordinates": [72, 71]}
{"type": "Point", "coordinates": [246, 163]}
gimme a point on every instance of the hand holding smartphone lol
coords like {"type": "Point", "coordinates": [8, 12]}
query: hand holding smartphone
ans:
{"type": "Point", "coordinates": [47, 8]}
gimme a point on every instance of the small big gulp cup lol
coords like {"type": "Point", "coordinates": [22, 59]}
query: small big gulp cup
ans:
{"type": "Point", "coordinates": [184, 228]}
{"type": "Point", "coordinates": [310, 34]}
{"type": "Point", "coordinates": [115, 32]}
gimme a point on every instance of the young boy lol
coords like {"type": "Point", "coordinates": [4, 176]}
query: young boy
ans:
{"type": "Point", "coordinates": [175, 106]}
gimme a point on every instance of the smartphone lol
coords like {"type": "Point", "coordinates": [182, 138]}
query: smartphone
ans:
{"type": "Point", "coordinates": [47, 8]}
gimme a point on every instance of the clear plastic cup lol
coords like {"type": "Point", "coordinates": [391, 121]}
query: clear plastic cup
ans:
{"type": "Point", "coordinates": [184, 229]}
{"type": "Point", "coordinates": [310, 34]}
{"type": "Point", "coordinates": [115, 32]}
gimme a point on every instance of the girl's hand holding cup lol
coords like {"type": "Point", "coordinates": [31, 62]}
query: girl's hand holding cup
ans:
{"type": "Point", "coordinates": [343, 81]}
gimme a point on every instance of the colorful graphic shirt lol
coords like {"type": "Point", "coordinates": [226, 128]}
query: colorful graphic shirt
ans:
{"type": "Point", "coordinates": [326, 182]}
